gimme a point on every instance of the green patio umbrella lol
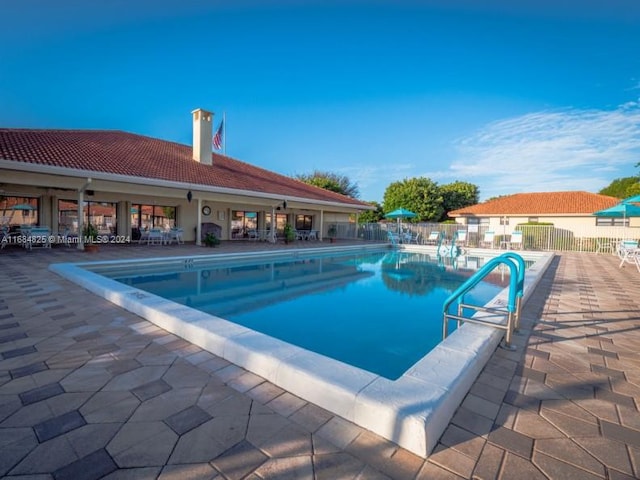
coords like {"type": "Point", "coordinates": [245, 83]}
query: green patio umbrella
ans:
{"type": "Point", "coordinates": [634, 199]}
{"type": "Point", "coordinates": [399, 214]}
{"type": "Point", "coordinates": [620, 210]}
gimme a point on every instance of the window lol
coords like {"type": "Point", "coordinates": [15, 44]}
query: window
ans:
{"type": "Point", "coordinates": [484, 221]}
{"type": "Point", "coordinates": [241, 222]}
{"type": "Point", "coordinates": [101, 215]}
{"type": "Point", "coordinates": [16, 211]}
{"type": "Point", "coordinates": [304, 222]}
{"type": "Point", "coordinates": [281, 221]}
{"type": "Point", "coordinates": [144, 217]}
{"type": "Point", "coordinates": [611, 222]}
{"type": "Point", "coordinates": [504, 221]}
{"type": "Point", "coordinates": [532, 220]}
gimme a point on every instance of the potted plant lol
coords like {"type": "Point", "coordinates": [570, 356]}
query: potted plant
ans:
{"type": "Point", "coordinates": [90, 233]}
{"type": "Point", "coordinates": [332, 232]}
{"type": "Point", "coordinates": [289, 233]}
{"type": "Point", "coordinates": [210, 240]}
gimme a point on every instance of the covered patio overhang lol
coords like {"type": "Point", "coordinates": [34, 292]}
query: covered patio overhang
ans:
{"type": "Point", "coordinates": [53, 183]}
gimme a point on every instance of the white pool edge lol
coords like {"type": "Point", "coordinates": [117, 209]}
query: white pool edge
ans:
{"type": "Point", "coordinates": [412, 411]}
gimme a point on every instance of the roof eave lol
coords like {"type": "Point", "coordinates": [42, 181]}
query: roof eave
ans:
{"type": "Point", "coordinates": [78, 173]}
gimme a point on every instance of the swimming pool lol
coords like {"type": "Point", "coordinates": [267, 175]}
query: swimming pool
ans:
{"type": "Point", "coordinates": [380, 311]}
{"type": "Point", "coordinates": [412, 410]}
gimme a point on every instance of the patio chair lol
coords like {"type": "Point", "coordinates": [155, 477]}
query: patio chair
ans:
{"type": "Point", "coordinates": [515, 240]}
{"type": "Point", "coordinates": [155, 237]}
{"type": "Point", "coordinates": [67, 238]}
{"type": "Point", "coordinates": [629, 252]}
{"type": "Point", "coordinates": [488, 238]}
{"type": "Point", "coordinates": [461, 238]}
{"type": "Point", "coordinates": [416, 238]}
{"type": "Point", "coordinates": [433, 238]}
{"type": "Point", "coordinates": [4, 233]}
{"type": "Point", "coordinates": [39, 237]}
{"type": "Point", "coordinates": [176, 234]}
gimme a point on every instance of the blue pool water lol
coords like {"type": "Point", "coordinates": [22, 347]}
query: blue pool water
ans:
{"type": "Point", "coordinates": [378, 311]}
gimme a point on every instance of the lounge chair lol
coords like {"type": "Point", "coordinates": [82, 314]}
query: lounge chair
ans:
{"type": "Point", "coordinates": [433, 238]}
{"type": "Point", "coordinates": [460, 238]}
{"type": "Point", "coordinates": [515, 240]}
{"type": "Point", "coordinates": [488, 238]}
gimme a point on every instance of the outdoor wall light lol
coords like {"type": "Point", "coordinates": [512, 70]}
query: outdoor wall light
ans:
{"type": "Point", "coordinates": [189, 196]}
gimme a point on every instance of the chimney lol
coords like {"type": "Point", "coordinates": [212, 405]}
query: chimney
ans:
{"type": "Point", "coordinates": [202, 135]}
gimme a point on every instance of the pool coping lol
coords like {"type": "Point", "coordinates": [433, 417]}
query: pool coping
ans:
{"type": "Point", "coordinates": [411, 411]}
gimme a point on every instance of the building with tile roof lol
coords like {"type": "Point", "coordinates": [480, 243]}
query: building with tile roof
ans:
{"type": "Point", "coordinates": [571, 211]}
{"type": "Point", "coordinates": [148, 182]}
{"type": "Point", "coordinates": [541, 204]}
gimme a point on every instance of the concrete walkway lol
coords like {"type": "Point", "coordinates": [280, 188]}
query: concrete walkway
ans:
{"type": "Point", "coordinates": [88, 390]}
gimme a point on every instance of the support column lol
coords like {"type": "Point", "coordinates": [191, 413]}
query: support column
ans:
{"type": "Point", "coordinates": [80, 220]}
{"type": "Point", "coordinates": [199, 224]}
{"type": "Point", "coordinates": [272, 232]}
{"type": "Point", "coordinates": [81, 214]}
{"type": "Point", "coordinates": [55, 217]}
{"type": "Point", "coordinates": [355, 233]}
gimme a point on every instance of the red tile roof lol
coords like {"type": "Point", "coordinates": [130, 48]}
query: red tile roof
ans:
{"type": "Point", "coordinates": [544, 203]}
{"type": "Point", "coordinates": [118, 152]}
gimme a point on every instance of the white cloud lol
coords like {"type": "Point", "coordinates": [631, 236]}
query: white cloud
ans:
{"type": "Point", "coordinates": [569, 149]}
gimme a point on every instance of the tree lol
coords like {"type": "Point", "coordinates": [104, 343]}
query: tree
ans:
{"type": "Point", "coordinates": [622, 187]}
{"type": "Point", "coordinates": [420, 195]}
{"type": "Point", "coordinates": [331, 181]}
{"type": "Point", "coordinates": [371, 216]}
{"type": "Point", "coordinates": [458, 195]}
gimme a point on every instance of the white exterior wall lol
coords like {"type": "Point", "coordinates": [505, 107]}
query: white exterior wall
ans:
{"type": "Point", "coordinates": [581, 226]}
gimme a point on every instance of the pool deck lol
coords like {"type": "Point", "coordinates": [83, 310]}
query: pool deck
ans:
{"type": "Point", "coordinates": [89, 390]}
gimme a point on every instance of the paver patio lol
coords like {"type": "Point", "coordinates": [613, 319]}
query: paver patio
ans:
{"type": "Point", "coordinates": [89, 390]}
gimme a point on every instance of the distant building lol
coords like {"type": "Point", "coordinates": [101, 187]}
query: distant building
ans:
{"type": "Point", "coordinates": [572, 211]}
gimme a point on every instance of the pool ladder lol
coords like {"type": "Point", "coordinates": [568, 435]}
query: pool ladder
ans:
{"type": "Point", "coordinates": [512, 311]}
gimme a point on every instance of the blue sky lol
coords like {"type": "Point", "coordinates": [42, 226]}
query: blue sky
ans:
{"type": "Point", "coordinates": [523, 96]}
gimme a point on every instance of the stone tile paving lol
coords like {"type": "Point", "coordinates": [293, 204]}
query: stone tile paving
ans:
{"type": "Point", "coordinates": [88, 390]}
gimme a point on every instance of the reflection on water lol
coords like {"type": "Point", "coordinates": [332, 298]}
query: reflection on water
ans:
{"type": "Point", "coordinates": [378, 311]}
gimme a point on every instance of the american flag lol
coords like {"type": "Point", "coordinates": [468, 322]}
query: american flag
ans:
{"type": "Point", "coordinates": [217, 138]}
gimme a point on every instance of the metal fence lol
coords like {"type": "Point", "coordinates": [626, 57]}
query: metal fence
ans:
{"type": "Point", "coordinates": [534, 237]}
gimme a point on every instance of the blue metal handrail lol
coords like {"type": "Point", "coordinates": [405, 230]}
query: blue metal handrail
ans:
{"type": "Point", "coordinates": [520, 286]}
{"type": "Point", "coordinates": [516, 291]}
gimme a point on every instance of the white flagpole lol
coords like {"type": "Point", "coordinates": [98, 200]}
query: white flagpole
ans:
{"type": "Point", "coordinates": [224, 133]}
